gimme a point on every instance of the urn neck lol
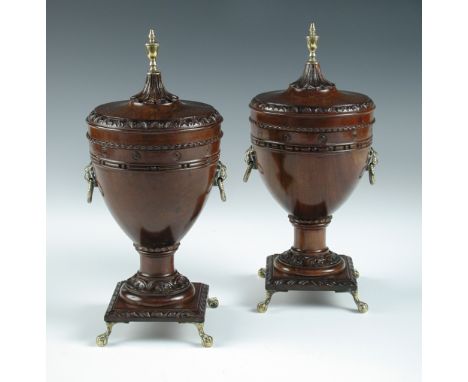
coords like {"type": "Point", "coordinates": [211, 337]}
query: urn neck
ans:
{"type": "Point", "coordinates": [310, 235]}
{"type": "Point", "coordinates": [157, 262]}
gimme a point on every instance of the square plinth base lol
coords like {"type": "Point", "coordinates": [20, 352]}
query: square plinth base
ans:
{"type": "Point", "coordinates": [277, 281]}
{"type": "Point", "coordinates": [191, 311]}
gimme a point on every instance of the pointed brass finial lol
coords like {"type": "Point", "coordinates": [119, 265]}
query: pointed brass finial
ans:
{"type": "Point", "coordinates": [152, 51]}
{"type": "Point", "coordinates": [312, 43]}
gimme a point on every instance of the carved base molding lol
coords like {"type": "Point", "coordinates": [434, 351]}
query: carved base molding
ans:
{"type": "Point", "coordinates": [150, 291]}
{"type": "Point", "coordinates": [344, 281]}
{"type": "Point", "coordinates": [193, 310]}
{"type": "Point", "coordinates": [276, 281]}
{"type": "Point", "coordinates": [157, 286]}
{"type": "Point", "coordinates": [322, 262]}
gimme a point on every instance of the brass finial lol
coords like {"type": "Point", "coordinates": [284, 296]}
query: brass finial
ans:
{"type": "Point", "coordinates": [152, 51]}
{"type": "Point", "coordinates": [312, 43]}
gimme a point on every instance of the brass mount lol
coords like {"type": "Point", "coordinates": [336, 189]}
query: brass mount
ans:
{"type": "Point", "coordinates": [152, 47]}
{"type": "Point", "coordinates": [312, 43]}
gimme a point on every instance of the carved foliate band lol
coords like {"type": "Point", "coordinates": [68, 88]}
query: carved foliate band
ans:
{"type": "Point", "coordinates": [279, 108]}
{"type": "Point", "coordinates": [297, 259]}
{"type": "Point", "coordinates": [97, 119]}
{"type": "Point", "coordinates": [157, 286]}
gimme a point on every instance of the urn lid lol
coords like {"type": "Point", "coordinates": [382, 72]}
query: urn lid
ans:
{"type": "Point", "coordinates": [312, 94]}
{"type": "Point", "coordinates": [154, 108]}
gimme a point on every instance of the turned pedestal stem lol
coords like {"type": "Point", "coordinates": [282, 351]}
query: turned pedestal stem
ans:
{"type": "Point", "coordinates": [309, 238]}
{"type": "Point", "coordinates": [309, 256]}
{"type": "Point", "coordinates": [157, 262]}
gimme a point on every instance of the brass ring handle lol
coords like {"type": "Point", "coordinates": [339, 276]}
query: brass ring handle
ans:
{"type": "Point", "coordinates": [372, 160]}
{"type": "Point", "coordinates": [220, 177]}
{"type": "Point", "coordinates": [90, 177]}
{"type": "Point", "coordinates": [251, 160]}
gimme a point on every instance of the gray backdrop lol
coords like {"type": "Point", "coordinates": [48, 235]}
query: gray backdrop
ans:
{"type": "Point", "coordinates": [224, 53]}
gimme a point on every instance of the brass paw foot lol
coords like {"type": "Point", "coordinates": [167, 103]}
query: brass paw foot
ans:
{"type": "Point", "coordinates": [207, 341]}
{"type": "Point", "coordinates": [102, 339]}
{"type": "Point", "coordinates": [263, 306]}
{"type": "Point", "coordinates": [262, 273]}
{"type": "Point", "coordinates": [356, 273]}
{"type": "Point", "coordinates": [213, 302]}
{"type": "Point", "coordinates": [361, 305]}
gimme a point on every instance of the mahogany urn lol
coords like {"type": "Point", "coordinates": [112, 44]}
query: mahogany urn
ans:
{"type": "Point", "coordinates": [155, 158]}
{"type": "Point", "coordinates": [311, 143]}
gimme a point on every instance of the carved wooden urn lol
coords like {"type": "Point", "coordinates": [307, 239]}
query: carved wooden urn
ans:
{"type": "Point", "coordinates": [154, 159]}
{"type": "Point", "coordinates": [311, 144]}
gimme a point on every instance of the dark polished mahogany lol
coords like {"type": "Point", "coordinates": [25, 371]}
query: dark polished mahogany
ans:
{"type": "Point", "coordinates": [311, 143]}
{"type": "Point", "coordinates": [154, 159]}
{"type": "Point", "coordinates": [155, 181]}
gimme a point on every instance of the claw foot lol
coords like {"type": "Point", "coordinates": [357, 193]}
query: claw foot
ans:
{"type": "Point", "coordinates": [213, 302]}
{"type": "Point", "coordinates": [206, 340]}
{"type": "Point", "coordinates": [361, 305]}
{"type": "Point", "coordinates": [263, 306]}
{"type": "Point", "coordinates": [102, 339]}
{"type": "Point", "coordinates": [262, 273]}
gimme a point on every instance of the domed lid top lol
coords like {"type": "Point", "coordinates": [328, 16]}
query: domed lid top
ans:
{"type": "Point", "coordinates": [154, 107]}
{"type": "Point", "coordinates": [312, 93]}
